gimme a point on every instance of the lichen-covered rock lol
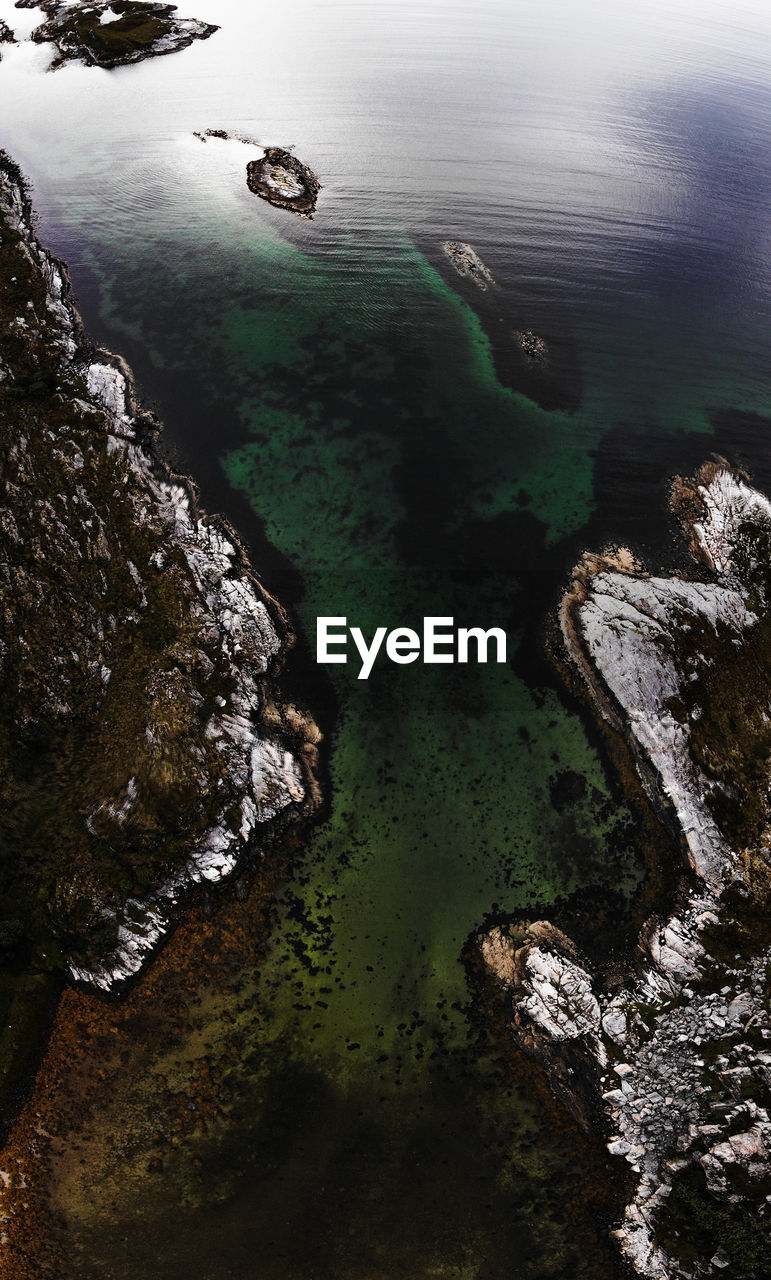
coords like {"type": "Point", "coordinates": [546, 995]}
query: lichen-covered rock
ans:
{"type": "Point", "coordinates": [542, 963]}
{"type": "Point", "coordinates": [560, 997]}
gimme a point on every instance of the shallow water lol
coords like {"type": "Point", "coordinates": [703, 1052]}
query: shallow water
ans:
{"type": "Point", "coordinates": [336, 389]}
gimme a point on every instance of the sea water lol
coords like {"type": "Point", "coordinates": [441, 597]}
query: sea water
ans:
{"type": "Point", "coordinates": [349, 403]}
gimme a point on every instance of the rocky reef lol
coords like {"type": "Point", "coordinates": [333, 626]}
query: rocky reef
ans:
{"type": "Point", "coordinates": [112, 33]}
{"type": "Point", "coordinates": [532, 346]}
{"type": "Point", "coordinates": [281, 179]}
{"type": "Point", "coordinates": [144, 743]}
{"type": "Point", "coordinates": [468, 263]}
{"type": "Point", "coordinates": [203, 135]}
{"type": "Point", "coordinates": [671, 1061]}
{"type": "Point", "coordinates": [540, 363]}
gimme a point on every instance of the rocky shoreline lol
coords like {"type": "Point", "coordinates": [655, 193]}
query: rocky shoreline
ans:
{"type": "Point", "coordinates": [162, 664]}
{"type": "Point", "coordinates": [672, 1065]}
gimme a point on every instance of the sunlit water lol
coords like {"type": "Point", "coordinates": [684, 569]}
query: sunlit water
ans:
{"type": "Point", "coordinates": [334, 387]}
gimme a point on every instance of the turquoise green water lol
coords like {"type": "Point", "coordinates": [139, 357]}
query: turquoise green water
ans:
{"type": "Point", "coordinates": [351, 402]}
{"type": "Point", "coordinates": [439, 775]}
{"type": "Point", "coordinates": [352, 406]}
{"type": "Point", "coordinates": [381, 1136]}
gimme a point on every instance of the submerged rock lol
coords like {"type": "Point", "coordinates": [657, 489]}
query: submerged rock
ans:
{"type": "Point", "coordinates": [203, 135]}
{"type": "Point", "coordinates": [112, 33]}
{"type": "Point", "coordinates": [545, 370]}
{"type": "Point", "coordinates": [529, 343]}
{"type": "Point", "coordinates": [676, 1067]}
{"type": "Point", "coordinates": [143, 744]}
{"type": "Point", "coordinates": [467, 263]}
{"type": "Point", "coordinates": [282, 180]}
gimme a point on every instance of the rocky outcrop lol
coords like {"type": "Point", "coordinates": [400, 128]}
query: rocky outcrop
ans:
{"type": "Point", "coordinates": [113, 33]}
{"type": "Point", "coordinates": [144, 743]}
{"type": "Point", "coordinates": [468, 263]}
{"type": "Point", "coordinates": [281, 179]}
{"type": "Point", "coordinates": [6, 35]}
{"type": "Point", "coordinates": [555, 1014]}
{"type": "Point", "coordinates": [676, 1066]}
{"type": "Point", "coordinates": [628, 627]}
{"type": "Point", "coordinates": [276, 176]}
{"type": "Point", "coordinates": [531, 345]}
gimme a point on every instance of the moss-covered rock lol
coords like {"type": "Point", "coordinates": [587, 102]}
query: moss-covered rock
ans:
{"type": "Point", "coordinates": [111, 33]}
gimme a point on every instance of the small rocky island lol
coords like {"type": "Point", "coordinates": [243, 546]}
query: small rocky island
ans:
{"type": "Point", "coordinates": [281, 179]}
{"type": "Point", "coordinates": [113, 33]}
{"type": "Point", "coordinates": [535, 348]}
{"type": "Point", "coordinates": [468, 263]}
{"type": "Point", "coordinates": [671, 1060]}
{"type": "Point", "coordinates": [145, 746]}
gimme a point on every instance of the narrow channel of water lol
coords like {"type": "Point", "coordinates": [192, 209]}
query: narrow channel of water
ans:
{"type": "Point", "coordinates": [336, 391]}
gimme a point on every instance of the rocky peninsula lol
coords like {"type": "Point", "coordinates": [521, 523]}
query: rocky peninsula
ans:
{"type": "Point", "coordinates": [145, 745]}
{"type": "Point", "coordinates": [671, 1060]}
{"type": "Point", "coordinates": [113, 33]}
